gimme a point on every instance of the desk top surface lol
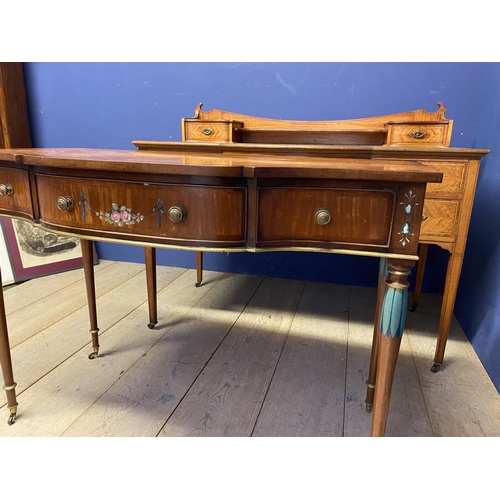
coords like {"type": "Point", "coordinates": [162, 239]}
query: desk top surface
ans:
{"type": "Point", "coordinates": [211, 161]}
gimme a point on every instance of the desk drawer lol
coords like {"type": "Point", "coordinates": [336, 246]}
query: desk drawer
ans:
{"type": "Point", "coordinates": [177, 212]}
{"type": "Point", "coordinates": [211, 131]}
{"type": "Point", "coordinates": [454, 174]}
{"type": "Point", "coordinates": [298, 216]}
{"type": "Point", "coordinates": [417, 134]}
{"type": "Point", "coordinates": [439, 218]}
{"type": "Point", "coordinates": [15, 191]}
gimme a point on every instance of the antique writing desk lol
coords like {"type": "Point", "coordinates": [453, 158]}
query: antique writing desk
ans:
{"type": "Point", "coordinates": [300, 194]}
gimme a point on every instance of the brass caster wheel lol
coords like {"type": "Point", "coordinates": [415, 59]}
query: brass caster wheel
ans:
{"type": "Point", "coordinates": [151, 325]}
{"type": "Point", "coordinates": [12, 418]}
{"type": "Point", "coordinates": [413, 307]}
{"type": "Point", "coordinates": [436, 367]}
{"type": "Point", "coordinates": [197, 284]}
{"type": "Point", "coordinates": [95, 353]}
{"type": "Point", "coordinates": [369, 407]}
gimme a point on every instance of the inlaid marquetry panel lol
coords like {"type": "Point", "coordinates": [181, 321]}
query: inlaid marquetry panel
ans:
{"type": "Point", "coordinates": [211, 131]}
{"type": "Point", "coordinates": [453, 178]}
{"type": "Point", "coordinates": [439, 218]}
{"type": "Point", "coordinates": [417, 134]}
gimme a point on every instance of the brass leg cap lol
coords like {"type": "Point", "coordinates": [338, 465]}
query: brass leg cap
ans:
{"type": "Point", "coordinates": [436, 367]}
{"type": "Point", "coordinates": [94, 353]}
{"type": "Point", "coordinates": [12, 416]}
{"type": "Point", "coordinates": [369, 407]}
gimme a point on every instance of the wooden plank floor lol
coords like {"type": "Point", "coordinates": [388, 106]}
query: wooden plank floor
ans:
{"type": "Point", "coordinates": [239, 356]}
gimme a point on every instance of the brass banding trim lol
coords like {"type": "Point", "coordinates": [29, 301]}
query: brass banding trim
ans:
{"type": "Point", "coordinates": [195, 247]}
{"type": "Point", "coordinates": [397, 286]}
{"type": "Point", "coordinates": [94, 331]}
{"type": "Point", "coordinates": [399, 273]}
{"type": "Point", "coordinates": [371, 386]}
{"type": "Point", "coordinates": [9, 387]}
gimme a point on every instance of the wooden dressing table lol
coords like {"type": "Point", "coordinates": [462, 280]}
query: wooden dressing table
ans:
{"type": "Point", "coordinates": [291, 190]}
{"type": "Point", "coordinates": [413, 135]}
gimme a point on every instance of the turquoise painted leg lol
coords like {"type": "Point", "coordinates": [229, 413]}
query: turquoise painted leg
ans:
{"type": "Point", "coordinates": [372, 372]}
{"type": "Point", "coordinates": [391, 326]}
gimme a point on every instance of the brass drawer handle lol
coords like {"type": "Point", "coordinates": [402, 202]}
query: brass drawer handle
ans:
{"type": "Point", "coordinates": [417, 134]}
{"type": "Point", "coordinates": [424, 217]}
{"type": "Point", "coordinates": [176, 213]}
{"type": "Point", "coordinates": [323, 217]}
{"type": "Point", "coordinates": [65, 203]}
{"type": "Point", "coordinates": [208, 131]}
{"type": "Point", "coordinates": [6, 190]}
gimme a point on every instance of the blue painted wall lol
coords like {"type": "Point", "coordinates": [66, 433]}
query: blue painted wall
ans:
{"type": "Point", "coordinates": [107, 105]}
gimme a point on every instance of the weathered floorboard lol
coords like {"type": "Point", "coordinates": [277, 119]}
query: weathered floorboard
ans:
{"type": "Point", "coordinates": [226, 398]}
{"type": "Point", "coordinates": [142, 399]}
{"type": "Point", "coordinates": [238, 356]}
{"type": "Point", "coordinates": [307, 394]}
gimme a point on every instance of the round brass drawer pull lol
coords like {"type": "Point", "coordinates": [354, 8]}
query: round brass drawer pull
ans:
{"type": "Point", "coordinates": [176, 213]}
{"type": "Point", "coordinates": [6, 190]}
{"type": "Point", "coordinates": [417, 134]}
{"type": "Point", "coordinates": [323, 217]}
{"type": "Point", "coordinates": [208, 131]}
{"type": "Point", "coordinates": [65, 203]}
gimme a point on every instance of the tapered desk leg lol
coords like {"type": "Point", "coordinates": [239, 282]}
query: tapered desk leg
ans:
{"type": "Point", "coordinates": [372, 373]}
{"type": "Point", "coordinates": [422, 258]}
{"type": "Point", "coordinates": [150, 258]}
{"type": "Point", "coordinates": [199, 268]}
{"type": "Point", "coordinates": [6, 362]}
{"type": "Point", "coordinates": [88, 268]}
{"type": "Point", "coordinates": [392, 322]}
{"type": "Point", "coordinates": [449, 296]}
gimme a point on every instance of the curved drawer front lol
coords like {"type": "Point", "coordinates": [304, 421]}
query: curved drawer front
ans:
{"type": "Point", "coordinates": [15, 194]}
{"type": "Point", "coordinates": [172, 212]}
{"type": "Point", "coordinates": [299, 216]}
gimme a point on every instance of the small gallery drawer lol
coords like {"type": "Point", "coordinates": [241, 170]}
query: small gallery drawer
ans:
{"type": "Point", "coordinates": [15, 193]}
{"type": "Point", "coordinates": [298, 216]}
{"type": "Point", "coordinates": [211, 131]}
{"type": "Point", "coordinates": [417, 134]}
{"type": "Point", "coordinates": [439, 218]}
{"type": "Point", "coordinates": [183, 213]}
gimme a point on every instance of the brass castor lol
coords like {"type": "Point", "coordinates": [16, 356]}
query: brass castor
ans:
{"type": "Point", "coordinates": [436, 367]}
{"type": "Point", "coordinates": [94, 353]}
{"type": "Point", "coordinates": [151, 325]}
{"type": "Point", "coordinates": [369, 407]}
{"type": "Point", "coordinates": [12, 416]}
{"type": "Point", "coordinates": [197, 284]}
{"type": "Point", "coordinates": [413, 307]}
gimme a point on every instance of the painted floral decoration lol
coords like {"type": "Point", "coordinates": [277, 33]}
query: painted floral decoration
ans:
{"type": "Point", "coordinates": [120, 215]}
{"type": "Point", "coordinates": [408, 207]}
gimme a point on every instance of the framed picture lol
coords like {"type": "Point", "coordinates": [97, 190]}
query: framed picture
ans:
{"type": "Point", "coordinates": [36, 252]}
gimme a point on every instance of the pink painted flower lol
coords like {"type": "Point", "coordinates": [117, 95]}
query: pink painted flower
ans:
{"type": "Point", "coordinates": [115, 216]}
{"type": "Point", "coordinates": [125, 216]}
